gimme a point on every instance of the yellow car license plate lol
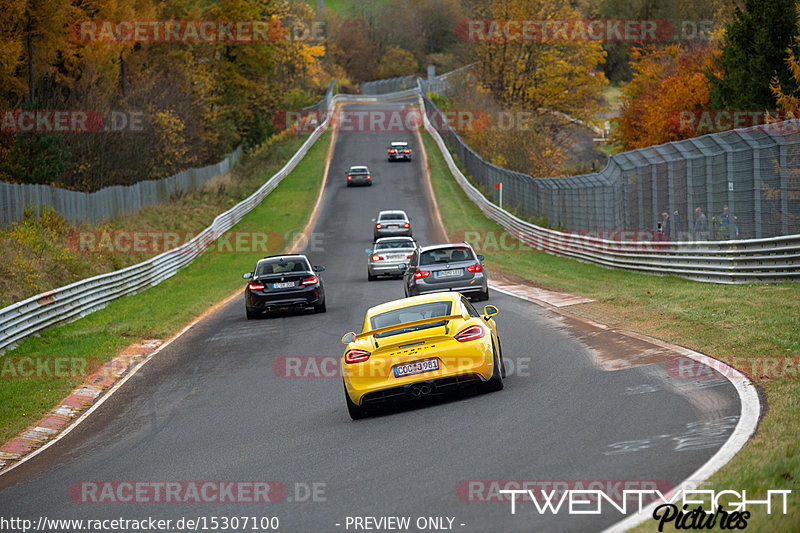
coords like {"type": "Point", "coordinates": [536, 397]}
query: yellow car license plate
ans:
{"type": "Point", "coordinates": [417, 367]}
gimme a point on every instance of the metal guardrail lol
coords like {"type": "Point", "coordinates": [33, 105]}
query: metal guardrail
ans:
{"type": "Point", "coordinates": [743, 180]}
{"type": "Point", "coordinates": [81, 298]}
{"type": "Point", "coordinates": [735, 261]}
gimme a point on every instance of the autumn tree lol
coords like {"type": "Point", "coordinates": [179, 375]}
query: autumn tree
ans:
{"type": "Point", "coordinates": [787, 92]}
{"type": "Point", "coordinates": [556, 74]}
{"type": "Point", "coordinates": [787, 96]}
{"type": "Point", "coordinates": [353, 49]}
{"type": "Point", "coordinates": [397, 62]}
{"type": "Point", "coordinates": [517, 141]}
{"type": "Point", "coordinates": [200, 100]}
{"type": "Point", "coordinates": [667, 82]}
{"type": "Point", "coordinates": [685, 18]}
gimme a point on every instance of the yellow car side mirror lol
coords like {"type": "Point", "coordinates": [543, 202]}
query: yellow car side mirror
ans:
{"type": "Point", "coordinates": [348, 337]}
{"type": "Point", "coordinates": [489, 311]}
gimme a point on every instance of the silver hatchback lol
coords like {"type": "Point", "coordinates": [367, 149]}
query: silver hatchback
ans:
{"type": "Point", "coordinates": [446, 267]}
{"type": "Point", "coordinates": [387, 254]}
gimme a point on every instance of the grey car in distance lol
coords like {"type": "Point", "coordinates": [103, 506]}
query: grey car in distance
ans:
{"type": "Point", "coordinates": [388, 253]}
{"type": "Point", "coordinates": [391, 223]}
{"type": "Point", "coordinates": [446, 267]}
{"type": "Point", "coordinates": [359, 175]}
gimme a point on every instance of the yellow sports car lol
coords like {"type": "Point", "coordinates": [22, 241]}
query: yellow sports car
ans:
{"type": "Point", "coordinates": [417, 346]}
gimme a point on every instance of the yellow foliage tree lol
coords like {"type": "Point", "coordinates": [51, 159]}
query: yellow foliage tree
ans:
{"type": "Point", "coordinates": [172, 153]}
{"type": "Point", "coordinates": [397, 62]}
{"type": "Point", "coordinates": [551, 73]}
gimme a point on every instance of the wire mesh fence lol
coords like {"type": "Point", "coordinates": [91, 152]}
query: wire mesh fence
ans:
{"type": "Point", "coordinates": [117, 200]}
{"type": "Point", "coordinates": [78, 299]}
{"type": "Point", "coordinates": [736, 184]}
{"type": "Point", "coordinates": [389, 85]}
{"type": "Point", "coordinates": [107, 202]}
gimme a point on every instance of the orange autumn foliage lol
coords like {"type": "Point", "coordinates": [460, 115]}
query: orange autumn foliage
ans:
{"type": "Point", "coordinates": [667, 81]}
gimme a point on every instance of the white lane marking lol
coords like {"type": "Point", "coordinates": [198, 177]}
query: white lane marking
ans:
{"type": "Point", "coordinates": [113, 389]}
{"type": "Point", "coordinates": [745, 428]}
{"type": "Point", "coordinates": [136, 368]}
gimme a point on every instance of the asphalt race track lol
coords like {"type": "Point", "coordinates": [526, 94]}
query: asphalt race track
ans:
{"type": "Point", "coordinates": [215, 406]}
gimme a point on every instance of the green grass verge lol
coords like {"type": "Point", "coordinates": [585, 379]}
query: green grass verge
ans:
{"type": "Point", "coordinates": [742, 325]}
{"type": "Point", "coordinates": [343, 7]}
{"type": "Point", "coordinates": [46, 244]}
{"type": "Point", "coordinates": [613, 97]}
{"type": "Point", "coordinates": [159, 311]}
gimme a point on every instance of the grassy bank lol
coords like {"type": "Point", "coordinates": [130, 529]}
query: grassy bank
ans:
{"type": "Point", "coordinates": [744, 325]}
{"type": "Point", "coordinates": [48, 244]}
{"type": "Point", "coordinates": [161, 311]}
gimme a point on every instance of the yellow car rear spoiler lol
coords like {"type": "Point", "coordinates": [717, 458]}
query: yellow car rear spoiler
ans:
{"type": "Point", "coordinates": [404, 325]}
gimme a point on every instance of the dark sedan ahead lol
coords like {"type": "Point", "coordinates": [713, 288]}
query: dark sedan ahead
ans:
{"type": "Point", "coordinates": [283, 282]}
{"type": "Point", "coordinates": [359, 175]}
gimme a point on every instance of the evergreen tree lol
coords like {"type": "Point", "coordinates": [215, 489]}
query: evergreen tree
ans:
{"type": "Point", "coordinates": [37, 158]}
{"type": "Point", "coordinates": [754, 51]}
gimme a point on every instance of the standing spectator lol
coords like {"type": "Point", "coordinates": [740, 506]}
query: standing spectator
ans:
{"type": "Point", "coordinates": [700, 225]}
{"type": "Point", "coordinates": [724, 221]}
{"type": "Point", "coordinates": [664, 227]}
{"type": "Point", "coordinates": [677, 228]}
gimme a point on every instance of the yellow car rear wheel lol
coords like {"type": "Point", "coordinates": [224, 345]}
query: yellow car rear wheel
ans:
{"type": "Point", "coordinates": [495, 383]}
{"type": "Point", "coordinates": [356, 412]}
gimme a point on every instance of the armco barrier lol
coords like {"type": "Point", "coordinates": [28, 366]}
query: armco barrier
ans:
{"type": "Point", "coordinates": [738, 261]}
{"type": "Point", "coordinates": [81, 298]}
{"type": "Point", "coordinates": [751, 171]}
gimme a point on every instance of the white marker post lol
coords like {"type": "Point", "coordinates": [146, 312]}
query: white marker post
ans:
{"type": "Point", "coordinates": [499, 187]}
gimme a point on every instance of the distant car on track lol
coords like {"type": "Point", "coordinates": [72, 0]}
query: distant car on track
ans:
{"type": "Point", "coordinates": [388, 253]}
{"type": "Point", "coordinates": [359, 175]}
{"type": "Point", "coordinates": [415, 347]}
{"type": "Point", "coordinates": [283, 282]}
{"type": "Point", "coordinates": [446, 267]}
{"type": "Point", "coordinates": [391, 223]}
{"type": "Point", "coordinates": [399, 151]}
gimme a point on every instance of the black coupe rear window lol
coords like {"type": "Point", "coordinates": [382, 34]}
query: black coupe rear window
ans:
{"type": "Point", "coordinates": [277, 266]}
